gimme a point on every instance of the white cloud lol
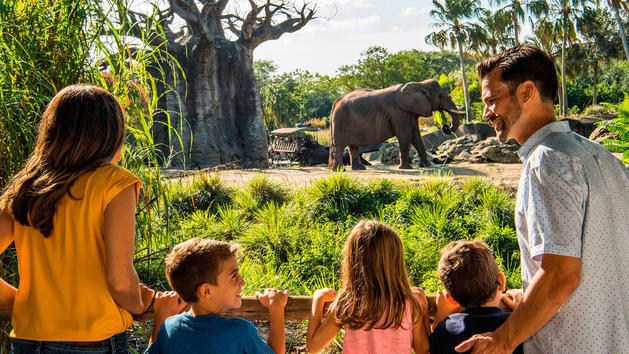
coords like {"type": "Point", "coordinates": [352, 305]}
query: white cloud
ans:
{"type": "Point", "coordinates": [395, 29]}
{"type": "Point", "coordinates": [350, 24]}
{"type": "Point", "coordinates": [350, 4]}
{"type": "Point", "coordinates": [412, 11]}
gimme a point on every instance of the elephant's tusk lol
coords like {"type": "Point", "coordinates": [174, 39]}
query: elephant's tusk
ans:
{"type": "Point", "coordinates": [455, 111]}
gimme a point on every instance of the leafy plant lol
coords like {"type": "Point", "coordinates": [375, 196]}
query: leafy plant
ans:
{"type": "Point", "coordinates": [620, 126]}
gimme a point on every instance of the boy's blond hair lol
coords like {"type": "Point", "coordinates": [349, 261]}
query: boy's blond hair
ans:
{"type": "Point", "coordinates": [194, 262]}
{"type": "Point", "coordinates": [469, 272]}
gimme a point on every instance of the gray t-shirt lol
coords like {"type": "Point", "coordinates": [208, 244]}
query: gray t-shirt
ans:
{"type": "Point", "coordinates": [573, 200]}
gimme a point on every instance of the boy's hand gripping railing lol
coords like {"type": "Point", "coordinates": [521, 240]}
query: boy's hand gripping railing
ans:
{"type": "Point", "coordinates": [297, 308]}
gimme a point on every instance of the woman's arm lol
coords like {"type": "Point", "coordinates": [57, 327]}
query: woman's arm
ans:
{"type": "Point", "coordinates": [7, 292]}
{"type": "Point", "coordinates": [119, 229]}
{"type": "Point", "coordinates": [319, 335]}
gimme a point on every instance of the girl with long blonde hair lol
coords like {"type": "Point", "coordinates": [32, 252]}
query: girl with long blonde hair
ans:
{"type": "Point", "coordinates": [375, 306]}
{"type": "Point", "coordinates": [70, 212]}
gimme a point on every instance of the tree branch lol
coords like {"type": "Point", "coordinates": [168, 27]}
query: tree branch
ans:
{"type": "Point", "coordinates": [267, 31]}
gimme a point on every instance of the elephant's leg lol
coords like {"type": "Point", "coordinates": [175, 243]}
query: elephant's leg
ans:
{"type": "Point", "coordinates": [418, 143]}
{"type": "Point", "coordinates": [337, 150]}
{"type": "Point", "coordinates": [403, 134]}
{"type": "Point", "coordinates": [355, 158]}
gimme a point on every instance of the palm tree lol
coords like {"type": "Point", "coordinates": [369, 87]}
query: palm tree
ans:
{"type": "Point", "coordinates": [517, 9]}
{"type": "Point", "coordinates": [496, 25]}
{"type": "Point", "coordinates": [455, 30]}
{"type": "Point", "coordinates": [597, 28]}
{"type": "Point", "coordinates": [565, 13]}
{"type": "Point", "coordinates": [616, 5]}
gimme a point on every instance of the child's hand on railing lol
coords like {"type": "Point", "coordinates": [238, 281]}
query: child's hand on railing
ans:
{"type": "Point", "coordinates": [166, 304]}
{"type": "Point", "coordinates": [273, 299]}
{"type": "Point", "coordinates": [324, 295]}
{"type": "Point", "coordinates": [512, 298]}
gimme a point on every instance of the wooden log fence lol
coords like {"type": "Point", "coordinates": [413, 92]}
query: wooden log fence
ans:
{"type": "Point", "coordinates": [297, 309]}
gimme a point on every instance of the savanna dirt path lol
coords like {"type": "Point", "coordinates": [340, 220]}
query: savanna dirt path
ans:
{"type": "Point", "coordinates": [503, 175]}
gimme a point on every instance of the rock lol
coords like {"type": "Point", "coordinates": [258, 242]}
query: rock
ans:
{"type": "Point", "coordinates": [493, 150]}
{"type": "Point", "coordinates": [390, 154]}
{"type": "Point", "coordinates": [434, 139]}
{"type": "Point", "coordinates": [583, 127]}
{"type": "Point", "coordinates": [483, 130]}
{"type": "Point", "coordinates": [454, 147]}
{"type": "Point", "coordinates": [601, 133]}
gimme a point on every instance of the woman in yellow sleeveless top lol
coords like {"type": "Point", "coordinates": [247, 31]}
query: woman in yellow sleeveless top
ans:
{"type": "Point", "coordinates": [70, 212]}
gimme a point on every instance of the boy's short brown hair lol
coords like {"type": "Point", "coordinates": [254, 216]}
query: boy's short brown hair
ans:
{"type": "Point", "coordinates": [194, 262]}
{"type": "Point", "coordinates": [469, 272]}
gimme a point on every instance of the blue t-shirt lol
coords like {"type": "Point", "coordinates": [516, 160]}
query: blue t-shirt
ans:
{"type": "Point", "coordinates": [185, 333]}
{"type": "Point", "coordinates": [459, 327]}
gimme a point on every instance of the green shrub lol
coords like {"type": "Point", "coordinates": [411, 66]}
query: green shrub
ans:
{"type": "Point", "coordinates": [620, 126]}
{"type": "Point", "coordinates": [203, 192]}
{"type": "Point", "coordinates": [259, 192]}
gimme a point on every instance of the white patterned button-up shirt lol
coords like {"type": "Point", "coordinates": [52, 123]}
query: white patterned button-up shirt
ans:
{"type": "Point", "coordinates": [573, 200]}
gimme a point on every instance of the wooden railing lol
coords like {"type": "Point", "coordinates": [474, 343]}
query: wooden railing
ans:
{"type": "Point", "coordinates": [297, 308]}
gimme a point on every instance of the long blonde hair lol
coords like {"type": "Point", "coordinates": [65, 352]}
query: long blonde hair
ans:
{"type": "Point", "coordinates": [375, 282]}
{"type": "Point", "coordinates": [81, 129]}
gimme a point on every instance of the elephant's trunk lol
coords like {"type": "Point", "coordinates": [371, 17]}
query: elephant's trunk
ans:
{"type": "Point", "coordinates": [456, 118]}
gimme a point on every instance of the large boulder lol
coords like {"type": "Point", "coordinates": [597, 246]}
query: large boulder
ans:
{"type": "Point", "coordinates": [601, 133]}
{"type": "Point", "coordinates": [483, 130]}
{"type": "Point", "coordinates": [583, 126]}
{"type": "Point", "coordinates": [453, 148]}
{"type": "Point", "coordinates": [390, 154]}
{"type": "Point", "coordinates": [493, 150]}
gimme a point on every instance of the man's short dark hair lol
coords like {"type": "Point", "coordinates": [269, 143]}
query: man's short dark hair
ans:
{"type": "Point", "coordinates": [522, 63]}
{"type": "Point", "coordinates": [194, 262]}
{"type": "Point", "coordinates": [469, 272]}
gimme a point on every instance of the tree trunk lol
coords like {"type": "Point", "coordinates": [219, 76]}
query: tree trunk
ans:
{"type": "Point", "coordinates": [622, 32]}
{"type": "Point", "coordinates": [594, 90]}
{"type": "Point", "coordinates": [515, 27]}
{"type": "Point", "coordinates": [220, 107]}
{"type": "Point", "coordinates": [467, 100]}
{"type": "Point", "coordinates": [564, 98]}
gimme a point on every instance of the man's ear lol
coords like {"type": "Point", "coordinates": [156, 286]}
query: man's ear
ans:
{"type": "Point", "coordinates": [451, 299]}
{"type": "Point", "coordinates": [526, 91]}
{"type": "Point", "coordinates": [203, 290]}
{"type": "Point", "coordinates": [503, 282]}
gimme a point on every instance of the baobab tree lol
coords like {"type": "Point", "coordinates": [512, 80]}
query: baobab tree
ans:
{"type": "Point", "coordinates": [210, 96]}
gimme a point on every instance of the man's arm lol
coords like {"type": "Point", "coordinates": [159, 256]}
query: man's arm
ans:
{"type": "Point", "coordinates": [554, 282]}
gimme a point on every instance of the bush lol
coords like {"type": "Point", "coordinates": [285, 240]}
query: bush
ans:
{"type": "Point", "coordinates": [203, 192]}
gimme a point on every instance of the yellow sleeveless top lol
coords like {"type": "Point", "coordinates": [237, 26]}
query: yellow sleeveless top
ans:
{"type": "Point", "coordinates": [63, 293]}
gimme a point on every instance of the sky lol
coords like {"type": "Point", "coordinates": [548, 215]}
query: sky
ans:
{"type": "Point", "coordinates": [346, 28]}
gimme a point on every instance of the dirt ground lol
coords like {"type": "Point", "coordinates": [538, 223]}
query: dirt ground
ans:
{"type": "Point", "coordinates": [503, 175]}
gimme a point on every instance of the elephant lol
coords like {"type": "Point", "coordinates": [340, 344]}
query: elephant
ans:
{"type": "Point", "coordinates": [367, 117]}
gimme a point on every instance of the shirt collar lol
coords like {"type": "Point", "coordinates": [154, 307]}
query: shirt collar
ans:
{"type": "Point", "coordinates": [488, 310]}
{"type": "Point", "coordinates": [562, 126]}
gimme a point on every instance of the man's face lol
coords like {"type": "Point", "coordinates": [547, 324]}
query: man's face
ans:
{"type": "Point", "coordinates": [226, 293]}
{"type": "Point", "coordinates": [501, 106]}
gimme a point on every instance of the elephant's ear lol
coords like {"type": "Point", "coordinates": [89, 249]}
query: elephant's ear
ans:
{"type": "Point", "coordinates": [414, 98]}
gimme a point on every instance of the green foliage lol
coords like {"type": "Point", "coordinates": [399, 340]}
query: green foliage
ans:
{"type": "Point", "coordinates": [202, 192]}
{"type": "Point", "coordinates": [259, 192]}
{"type": "Point", "coordinates": [43, 49]}
{"type": "Point", "coordinates": [293, 97]}
{"type": "Point", "coordinates": [620, 126]}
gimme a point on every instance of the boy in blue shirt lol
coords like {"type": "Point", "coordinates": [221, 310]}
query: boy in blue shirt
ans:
{"type": "Point", "coordinates": [473, 290]}
{"type": "Point", "coordinates": [205, 274]}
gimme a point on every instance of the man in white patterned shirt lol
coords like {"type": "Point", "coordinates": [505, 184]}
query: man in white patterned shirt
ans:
{"type": "Point", "coordinates": [572, 219]}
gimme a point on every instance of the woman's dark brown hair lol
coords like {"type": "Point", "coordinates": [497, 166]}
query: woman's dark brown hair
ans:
{"type": "Point", "coordinates": [375, 282]}
{"type": "Point", "coordinates": [81, 129]}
